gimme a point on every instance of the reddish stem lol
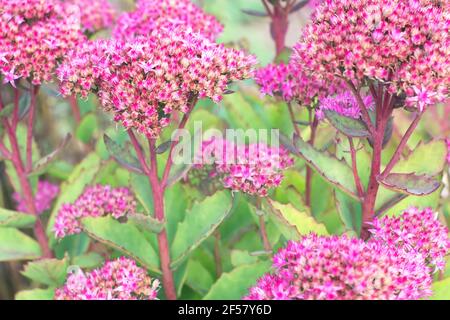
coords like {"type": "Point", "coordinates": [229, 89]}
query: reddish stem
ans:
{"type": "Point", "coordinates": [402, 145]}
{"type": "Point", "coordinates": [27, 191]}
{"type": "Point", "coordinates": [263, 232]}
{"type": "Point", "coordinates": [279, 27]}
{"type": "Point", "coordinates": [181, 126]}
{"type": "Point", "coordinates": [309, 171]}
{"type": "Point", "coordinates": [292, 115]}
{"type": "Point", "coordinates": [163, 243]}
{"type": "Point", "coordinates": [75, 109]}
{"type": "Point", "coordinates": [158, 203]}
{"type": "Point", "coordinates": [368, 208]}
{"type": "Point", "coordinates": [32, 112]}
{"type": "Point", "coordinates": [358, 183]}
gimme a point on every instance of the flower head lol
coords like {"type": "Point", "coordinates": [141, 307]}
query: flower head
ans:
{"type": "Point", "coordinates": [95, 15]}
{"type": "Point", "coordinates": [344, 104]}
{"type": "Point", "coordinates": [342, 268]}
{"type": "Point", "coordinates": [252, 169]}
{"type": "Point", "coordinates": [151, 15]}
{"type": "Point", "coordinates": [291, 83]}
{"type": "Point", "coordinates": [46, 192]}
{"type": "Point", "coordinates": [34, 36]}
{"type": "Point", "coordinates": [119, 279]}
{"type": "Point", "coordinates": [416, 231]}
{"type": "Point", "coordinates": [401, 43]}
{"type": "Point", "coordinates": [144, 80]}
{"type": "Point", "coordinates": [96, 201]}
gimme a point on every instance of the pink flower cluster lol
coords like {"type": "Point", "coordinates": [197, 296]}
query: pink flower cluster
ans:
{"type": "Point", "coordinates": [416, 231]}
{"type": "Point", "coordinates": [46, 192]}
{"type": "Point", "coordinates": [403, 43]}
{"type": "Point", "coordinates": [96, 201]}
{"type": "Point", "coordinates": [151, 15]}
{"type": "Point", "coordinates": [143, 81]}
{"type": "Point", "coordinates": [34, 36]}
{"type": "Point", "coordinates": [95, 15]}
{"type": "Point", "coordinates": [290, 83]}
{"type": "Point", "coordinates": [119, 279]}
{"type": "Point", "coordinates": [394, 265]}
{"type": "Point", "coordinates": [252, 169]}
{"type": "Point", "coordinates": [344, 104]}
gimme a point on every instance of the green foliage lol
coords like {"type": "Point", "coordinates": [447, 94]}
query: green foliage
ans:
{"type": "Point", "coordinates": [51, 272]}
{"type": "Point", "coordinates": [15, 245]}
{"type": "Point", "coordinates": [124, 237]}
{"type": "Point", "coordinates": [9, 218]}
{"type": "Point", "coordinates": [235, 284]}
{"type": "Point", "coordinates": [293, 223]}
{"type": "Point", "coordinates": [199, 223]}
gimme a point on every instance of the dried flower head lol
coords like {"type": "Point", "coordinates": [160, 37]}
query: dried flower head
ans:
{"type": "Point", "coordinates": [143, 81]}
{"type": "Point", "coordinates": [46, 192]}
{"type": "Point", "coordinates": [95, 15]}
{"type": "Point", "coordinates": [34, 36]}
{"type": "Point", "coordinates": [119, 279]}
{"type": "Point", "coordinates": [96, 201]}
{"type": "Point", "coordinates": [402, 43]}
{"type": "Point", "coordinates": [253, 169]}
{"type": "Point", "coordinates": [152, 15]}
{"type": "Point", "coordinates": [416, 231]}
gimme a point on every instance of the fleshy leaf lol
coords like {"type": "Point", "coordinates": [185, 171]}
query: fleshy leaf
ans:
{"type": "Point", "coordinates": [146, 222]}
{"type": "Point", "coordinates": [82, 175]}
{"type": "Point", "coordinates": [411, 183]}
{"type": "Point", "coordinates": [294, 223]}
{"type": "Point", "coordinates": [36, 294]}
{"type": "Point", "coordinates": [41, 165]}
{"type": "Point", "coordinates": [199, 223]}
{"type": "Point", "coordinates": [335, 171]}
{"type": "Point", "coordinates": [122, 155]}
{"type": "Point", "coordinates": [234, 285]}
{"type": "Point", "coordinates": [15, 245]}
{"type": "Point", "coordinates": [9, 218]}
{"type": "Point", "coordinates": [254, 13]}
{"type": "Point", "coordinates": [124, 237]}
{"type": "Point", "coordinates": [51, 272]}
{"type": "Point", "coordinates": [350, 127]}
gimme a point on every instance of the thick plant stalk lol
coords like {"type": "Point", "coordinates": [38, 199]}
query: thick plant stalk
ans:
{"type": "Point", "coordinates": [163, 242]}
{"type": "Point", "coordinates": [158, 202]}
{"type": "Point", "coordinates": [22, 169]}
{"type": "Point", "coordinates": [264, 236]}
{"type": "Point", "coordinates": [262, 227]}
{"type": "Point", "coordinates": [75, 109]}
{"type": "Point", "coordinates": [358, 183]}
{"type": "Point", "coordinates": [158, 190]}
{"type": "Point", "coordinates": [31, 119]}
{"type": "Point", "coordinates": [309, 172]}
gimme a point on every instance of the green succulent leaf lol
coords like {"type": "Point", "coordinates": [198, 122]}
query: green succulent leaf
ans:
{"type": "Point", "coordinates": [41, 165]}
{"type": "Point", "coordinates": [9, 218]}
{"type": "Point", "coordinates": [411, 183]}
{"type": "Point", "coordinates": [234, 285]}
{"type": "Point", "coordinates": [124, 237]}
{"type": "Point", "coordinates": [123, 155]}
{"type": "Point", "coordinates": [15, 245]}
{"type": "Point", "coordinates": [199, 223]}
{"type": "Point", "coordinates": [350, 127]}
{"type": "Point", "coordinates": [51, 272]}
{"type": "Point", "coordinates": [294, 223]}
{"type": "Point", "coordinates": [36, 294]}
